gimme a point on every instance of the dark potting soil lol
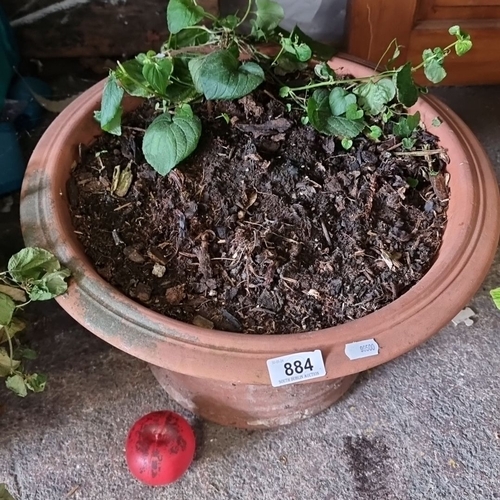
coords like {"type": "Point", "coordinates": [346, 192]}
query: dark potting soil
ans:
{"type": "Point", "coordinates": [269, 227]}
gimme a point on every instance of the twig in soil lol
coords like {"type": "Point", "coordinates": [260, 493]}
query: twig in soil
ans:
{"type": "Point", "coordinates": [123, 206]}
{"type": "Point", "coordinates": [286, 239]}
{"type": "Point", "coordinates": [72, 491]}
{"type": "Point", "coordinates": [326, 233]}
{"type": "Point", "coordinates": [392, 148]}
{"type": "Point", "coordinates": [262, 309]}
{"type": "Point", "coordinates": [189, 255]}
{"type": "Point", "coordinates": [420, 153]}
{"type": "Point", "coordinates": [290, 280]}
{"type": "Point", "coordinates": [137, 129]}
{"type": "Point", "coordinates": [101, 164]}
{"type": "Point", "coordinates": [271, 95]}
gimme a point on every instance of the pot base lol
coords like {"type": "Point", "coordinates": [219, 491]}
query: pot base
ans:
{"type": "Point", "coordinates": [251, 406]}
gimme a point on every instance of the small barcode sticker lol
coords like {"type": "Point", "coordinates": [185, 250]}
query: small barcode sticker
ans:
{"type": "Point", "coordinates": [362, 349]}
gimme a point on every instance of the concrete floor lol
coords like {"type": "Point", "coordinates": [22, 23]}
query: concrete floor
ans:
{"type": "Point", "coordinates": [425, 426]}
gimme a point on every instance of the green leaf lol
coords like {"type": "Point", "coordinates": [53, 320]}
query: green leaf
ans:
{"type": "Point", "coordinates": [8, 331]}
{"type": "Point", "coordinates": [168, 141]}
{"type": "Point", "coordinates": [182, 89]}
{"type": "Point", "coordinates": [434, 71]}
{"type": "Point", "coordinates": [176, 93]}
{"type": "Point", "coordinates": [36, 382]}
{"type": "Point", "coordinates": [353, 112]}
{"type": "Point", "coordinates": [413, 121]}
{"type": "Point", "coordinates": [194, 67]}
{"type": "Point", "coordinates": [16, 384]}
{"type": "Point", "coordinates": [7, 308]}
{"type": "Point", "coordinates": [339, 100]}
{"type": "Point", "coordinates": [460, 34]}
{"type": "Point", "coordinates": [406, 89]}
{"type": "Point", "coordinates": [183, 13]}
{"type": "Point", "coordinates": [346, 144]}
{"type": "Point", "coordinates": [462, 47]}
{"type": "Point", "coordinates": [184, 111]}
{"type": "Point", "coordinates": [225, 117]}
{"type": "Point", "coordinates": [373, 96]}
{"type": "Point", "coordinates": [433, 65]}
{"type": "Point", "coordinates": [375, 133]}
{"type": "Point", "coordinates": [318, 110]}
{"type": "Point", "coordinates": [343, 127]}
{"type": "Point", "coordinates": [321, 118]}
{"type": "Point", "coordinates": [288, 63]}
{"type": "Point", "coordinates": [110, 116]}
{"type": "Point", "coordinates": [495, 295]}
{"type": "Point", "coordinates": [229, 22]}
{"type": "Point", "coordinates": [413, 183]}
{"type": "Point", "coordinates": [284, 91]}
{"type": "Point", "coordinates": [157, 73]}
{"type": "Point", "coordinates": [293, 46]}
{"type": "Point", "coordinates": [7, 365]}
{"type": "Point", "coordinates": [324, 72]}
{"type": "Point", "coordinates": [31, 264]}
{"type": "Point", "coordinates": [26, 353]}
{"type": "Point", "coordinates": [408, 143]}
{"type": "Point", "coordinates": [387, 115]}
{"type": "Point", "coordinates": [406, 125]}
{"type": "Point", "coordinates": [4, 494]}
{"type": "Point", "coordinates": [142, 58]}
{"type": "Point", "coordinates": [320, 50]}
{"type": "Point", "coordinates": [132, 80]}
{"type": "Point", "coordinates": [50, 286]}
{"type": "Point", "coordinates": [268, 15]}
{"type": "Point", "coordinates": [220, 76]}
{"type": "Point", "coordinates": [189, 38]}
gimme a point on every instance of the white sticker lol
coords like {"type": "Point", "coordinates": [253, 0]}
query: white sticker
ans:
{"type": "Point", "coordinates": [296, 368]}
{"type": "Point", "coordinates": [363, 349]}
{"type": "Point", "coordinates": [464, 316]}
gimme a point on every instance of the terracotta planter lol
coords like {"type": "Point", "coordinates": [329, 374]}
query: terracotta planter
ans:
{"type": "Point", "coordinates": [223, 376]}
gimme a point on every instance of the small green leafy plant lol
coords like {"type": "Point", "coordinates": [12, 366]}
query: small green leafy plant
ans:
{"type": "Point", "coordinates": [32, 274]}
{"type": "Point", "coordinates": [495, 295]}
{"type": "Point", "coordinates": [199, 62]}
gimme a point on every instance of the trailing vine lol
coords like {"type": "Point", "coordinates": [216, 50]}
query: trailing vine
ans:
{"type": "Point", "coordinates": [205, 62]}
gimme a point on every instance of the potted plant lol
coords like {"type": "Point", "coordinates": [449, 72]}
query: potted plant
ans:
{"type": "Point", "coordinates": [251, 191]}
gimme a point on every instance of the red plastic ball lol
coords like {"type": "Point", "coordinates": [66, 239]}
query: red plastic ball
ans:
{"type": "Point", "coordinates": [160, 448]}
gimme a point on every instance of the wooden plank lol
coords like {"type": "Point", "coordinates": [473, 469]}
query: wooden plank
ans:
{"type": "Point", "coordinates": [372, 26]}
{"type": "Point", "coordinates": [475, 12]}
{"type": "Point", "coordinates": [466, 3]}
{"type": "Point", "coordinates": [90, 28]}
{"type": "Point", "coordinates": [479, 67]}
{"type": "Point", "coordinates": [431, 9]}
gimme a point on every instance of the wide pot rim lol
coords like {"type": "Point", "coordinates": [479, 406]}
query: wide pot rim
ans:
{"type": "Point", "coordinates": [469, 245]}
